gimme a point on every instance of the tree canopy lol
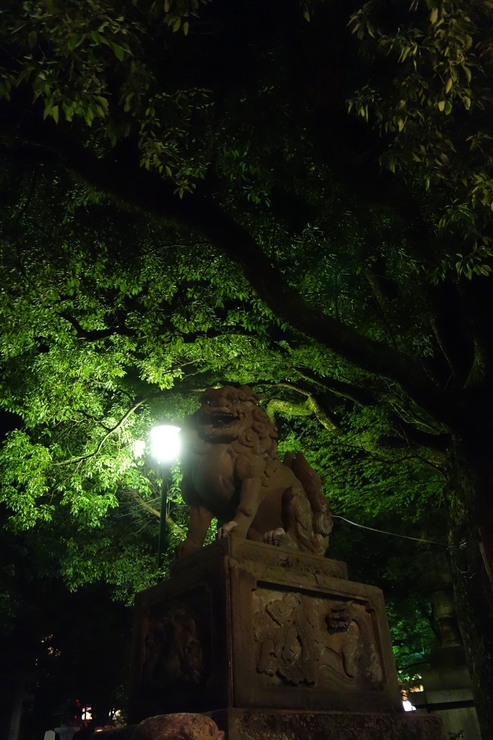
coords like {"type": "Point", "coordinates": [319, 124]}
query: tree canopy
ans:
{"type": "Point", "coordinates": [293, 196]}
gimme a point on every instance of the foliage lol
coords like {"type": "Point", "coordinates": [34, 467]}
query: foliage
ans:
{"type": "Point", "coordinates": [95, 342]}
{"type": "Point", "coordinates": [190, 199]}
{"type": "Point", "coordinates": [434, 141]}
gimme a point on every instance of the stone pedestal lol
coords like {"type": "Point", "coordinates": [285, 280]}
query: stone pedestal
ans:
{"type": "Point", "coordinates": [272, 644]}
{"type": "Point", "coordinates": [271, 724]}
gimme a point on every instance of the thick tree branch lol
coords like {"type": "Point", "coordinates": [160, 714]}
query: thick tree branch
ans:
{"type": "Point", "coordinates": [322, 416]}
{"type": "Point", "coordinates": [171, 523]}
{"type": "Point", "coordinates": [313, 404]}
{"type": "Point", "coordinates": [137, 497]}
{"type": "Point", "coordinates": [281, 406]}
{"type": "Point", "coordinates": [92, 335]}
{"type": "Point", "coordinates": [453, 329]}
{"type": "Point", "coordinates": [361, 396]}
{"type": "Point", "coordinates": [436, 442]}
{"type": "Point", "coordinates": [309, 408]}
{"type": "Point", "coordinates": [148, 192]}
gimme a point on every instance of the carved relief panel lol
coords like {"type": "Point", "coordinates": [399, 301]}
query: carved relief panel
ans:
{"type": "Point", "coordinates": [180, 657]}
{"type": "Point", "coordinates": [305, 638]}
{"type": "Point", "coordinates": [177, 644]}
{"type": "Point", "coordinates": [322, 643]}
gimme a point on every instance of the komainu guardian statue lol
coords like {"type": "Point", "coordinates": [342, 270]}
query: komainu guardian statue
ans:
{"type": "Point", "coordinates": [231, 471]}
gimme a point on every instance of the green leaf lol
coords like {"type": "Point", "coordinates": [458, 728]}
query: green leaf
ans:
{"type": "Point", "coordinates": [68, 111]}
{"type": "Point", "coordinates": [73, 41]}
{"type": "Point", "coordinates": [47, 110]}
{"type": "Point", "coordinates": [119, 52]}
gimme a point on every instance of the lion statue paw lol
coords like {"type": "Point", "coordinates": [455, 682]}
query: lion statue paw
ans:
{"type": "Point", "coordinates": [280, 538]}
{"type": "Point", "coordinates": [225, 530]}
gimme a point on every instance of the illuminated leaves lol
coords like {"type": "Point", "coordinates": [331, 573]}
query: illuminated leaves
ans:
{"type": "Point", "coordinates": [441, 71]}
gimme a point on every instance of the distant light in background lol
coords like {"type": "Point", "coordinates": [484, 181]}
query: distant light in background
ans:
{"type": "Point", "coordinates": [165, 443]}
{"type": "Point", "coordinates": [408, 707]}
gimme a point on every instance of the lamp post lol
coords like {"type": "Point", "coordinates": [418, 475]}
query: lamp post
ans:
{"type": "Point", "coordinates": [165, 447]}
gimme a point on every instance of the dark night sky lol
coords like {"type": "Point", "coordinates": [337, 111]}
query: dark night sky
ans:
{"type": "Point", "coordinates": [8, 422]}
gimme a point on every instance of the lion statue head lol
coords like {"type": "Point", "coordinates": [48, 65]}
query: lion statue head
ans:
{"type": "Point", "coordinates": [232, 414]}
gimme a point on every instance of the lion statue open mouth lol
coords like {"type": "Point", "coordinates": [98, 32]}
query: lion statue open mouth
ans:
{"type": "Point", "coordinates": [231, 471]}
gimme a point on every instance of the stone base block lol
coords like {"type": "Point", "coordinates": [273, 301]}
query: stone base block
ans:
{"type": "Point", "coordinates": [270, 724]}
{"type": "Point", "coordinates": [244, 624]}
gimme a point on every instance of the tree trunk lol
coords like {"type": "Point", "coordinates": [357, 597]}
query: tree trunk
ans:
{"type": "Point", "coordinates": [471, 510]}
{"type": "Point", "coordinates": [19, 695]}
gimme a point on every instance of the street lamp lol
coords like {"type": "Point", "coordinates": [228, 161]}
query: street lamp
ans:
{"type": "Point", "coordinates": [165, 447]}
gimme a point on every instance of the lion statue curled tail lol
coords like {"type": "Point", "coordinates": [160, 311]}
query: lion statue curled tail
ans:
{"type": "Point", "coordinates": [231, 472]}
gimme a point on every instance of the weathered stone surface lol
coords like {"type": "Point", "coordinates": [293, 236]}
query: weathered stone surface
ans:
{"type": "Point", "coordinates": [187, 726]}
{"type": "Point", "coordinates": [180, 726]}
{"type": "Point", "coordinates": [244, 624]}
{"type": "Point", "coordinates": [268, 724]}
{"type": "Point", "coordinates": [237, 724]}
{"type": "Point", "coordinates": [257, 557]}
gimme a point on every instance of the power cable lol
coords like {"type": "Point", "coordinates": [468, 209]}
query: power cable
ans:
{"type": "Point", "coordinates": [392, 534]}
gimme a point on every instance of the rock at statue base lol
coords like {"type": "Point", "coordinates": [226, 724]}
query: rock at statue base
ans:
{"type": "Point", "coordinates": [273, 644]}
{"type": "Point", "coordinates": [180, 726]}
{"type": "Point", "coordinates": [183, 726]}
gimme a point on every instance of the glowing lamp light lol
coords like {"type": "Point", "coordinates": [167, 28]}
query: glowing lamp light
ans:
{"type": "Point", "coordinates": [165, 443]}
{"type": "Point", "coordinates": [139, 448]}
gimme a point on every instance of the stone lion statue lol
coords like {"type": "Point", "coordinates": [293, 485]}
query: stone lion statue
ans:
{"type": "Point", "coordinates": [231, 471]}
